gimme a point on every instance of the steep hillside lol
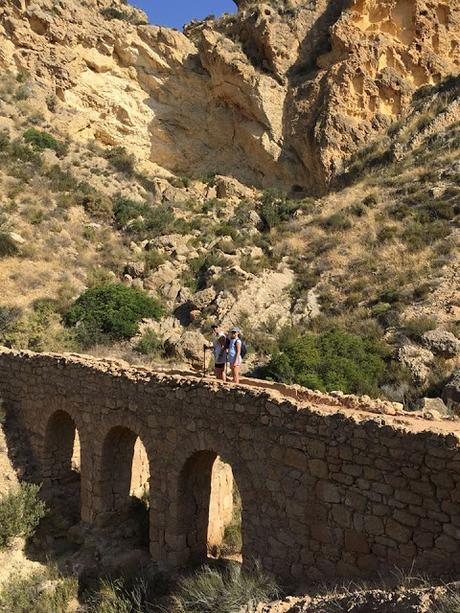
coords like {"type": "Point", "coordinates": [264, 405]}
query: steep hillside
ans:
{"type": "Point", "coordinates": [88, 197]}
{"type": "Point", "coordinates": [295, 87]}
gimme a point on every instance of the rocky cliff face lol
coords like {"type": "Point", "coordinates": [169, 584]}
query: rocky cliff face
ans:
{"type": "Point", "coordinates": [279, 94]}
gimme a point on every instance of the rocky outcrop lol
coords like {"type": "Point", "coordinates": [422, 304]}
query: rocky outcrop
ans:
{"type": "Point", "coordinates": [294, 89]}
{"type": "Point", "coordinates": [442, 343]}
{"type": "Point", "coordinates": [451, 393]}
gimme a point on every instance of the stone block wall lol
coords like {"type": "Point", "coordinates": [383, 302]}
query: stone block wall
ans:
{"type": "Point", "coordinates": [326, 491]}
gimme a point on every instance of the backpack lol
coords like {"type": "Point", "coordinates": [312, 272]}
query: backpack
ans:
{"type": "Point", "coordinates": [244, 347]}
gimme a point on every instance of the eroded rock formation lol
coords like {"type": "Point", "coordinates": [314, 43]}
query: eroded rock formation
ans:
{"type": "Point", "coordinates": [274, 95]}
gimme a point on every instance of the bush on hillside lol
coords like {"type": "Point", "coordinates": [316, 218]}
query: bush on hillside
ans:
{"type": "Point", "coordinates": [142, 218]}
{"type": "Point", "coordinates": [111, 311]}
{"type": "Point", "coordinates": [24, 153]}
{"type": "Point", "coordinates": [150, 344]}
{"type": "Point", "coordinates": [332, 360]}
{"type": "Point", "coordinates": [110, 12]}
{"type": "Point", "coordinates": [42, 140]}
{"type": "Point", "coordinates": [9, 315]}
{"type": "Point", "coordinates": [8, 247]}
{"type": "Point", "coordinates": [276, 208]}
{"type": "Point", "coordinates": [97, 205]}
{"type": "Point", "coordinates": [415, 328]}
{"type": "Point", "coordinates": [40, 329]}
{"type": "Point", "coordinates": [337, 222]}
{"type": "Point", "coordinates": [121, 160]}
{"type": "Point", "coordinates": [20, 513]}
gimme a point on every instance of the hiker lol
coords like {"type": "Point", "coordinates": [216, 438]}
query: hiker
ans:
{"type": "Point", "coordinates": [219, 349]}
{"type": "Point", "coordinates": [234, 353]}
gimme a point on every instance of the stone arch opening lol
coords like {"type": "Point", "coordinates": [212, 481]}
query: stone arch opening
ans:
{"type": "Point", "coordinates": [62, 464]}
{"type": "Point", "coordinates": [125, 479]}
{"type": "Point", "coordinates": [209, 509]}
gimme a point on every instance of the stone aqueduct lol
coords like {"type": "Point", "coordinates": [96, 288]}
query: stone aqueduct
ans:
{"type": "Point", "coordinates": [325, 491]}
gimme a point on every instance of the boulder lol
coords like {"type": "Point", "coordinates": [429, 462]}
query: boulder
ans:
{"type": "Point", "coordinates": [451, 393]}
{"type": "Point", "coordinates": [17, 239]}
{"type": "Point", "coordinates": [201, 300]}
{"type": "Point", "coordinates": [226, 187]}
{"type": "Point", "coordinates": [433, 404]}
{"type": "Point", "coordinates": [134, 269]}
{"type": "Point", "coordinates": [417, 359]}
{"type": "Point", "coordinates": [442, 343]}
{"type": "Point", "coordinates": [188, 347]}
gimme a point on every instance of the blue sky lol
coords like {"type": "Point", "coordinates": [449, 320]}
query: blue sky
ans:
{"type": "Point", "coordinates": [175, 13]}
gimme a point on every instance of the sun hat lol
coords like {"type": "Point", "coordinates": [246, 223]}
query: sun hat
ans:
{"type": "Point", "coordinates": [235, 330]}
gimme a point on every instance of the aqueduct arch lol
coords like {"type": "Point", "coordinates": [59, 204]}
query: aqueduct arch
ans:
{"type": "Point", "coordinates": [117, 468]}
{"type": "Point", "coordinates": [61, 462]}
{"type": "Point", "coordinates": [204, 504]}
{"type": "Point", "coordinates": [331, 485]}
{"type": "Point", "coordinates": [58, 448]}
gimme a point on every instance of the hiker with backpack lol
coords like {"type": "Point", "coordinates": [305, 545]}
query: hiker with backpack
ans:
{"type": "Point", "coordinates": [236, 351]}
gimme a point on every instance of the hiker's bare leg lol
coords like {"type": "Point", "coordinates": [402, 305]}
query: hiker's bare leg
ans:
{"type": "Point", "coordinates": [236, 374]}
{"type": "Point", "coordinates": [220, 374]}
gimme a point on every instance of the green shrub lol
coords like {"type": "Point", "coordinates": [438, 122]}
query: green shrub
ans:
{"type": "Point", "coordinates": [357, 209]}
{"type": "Point", "coordinates": [153, 259]}
{"type": "Point", "coordinates": [415, 328]}
{"type": "Point", "coordinates": [418, 236]}
{"type": "Point", "coordinates": [142, 218]}
{"type": "Point", "coordinates": [40, 329]}
{"type": "Point", "coordinates": [20, 513]}
{"type": "Point", "coordinates": [337, 222]}
{"type": "Point", "coordinates": [387, 233]}
{"type": "Point", "coordinates": [4, 141]}
{"type": "Point", "coordinates": [332, 360]}
{"type": "Point", "coordinates": [276, 208]}
{"type": "Point", "coordinates": [112, 310]}
{"type": "Point", "coordinates": [370, 201]}
{"type": "Point", "coordinates": [181, 182]}
{"type": "Point", "coordinates": [22, 92]}
{"type": "Point", "coordinates": [150, 344]}
{"type": "Point", "coordinates": [8, 317]}
{"type": "Point", "coordinates": [8, 246]}
{"type": "Point", "coordinates": [41, 592]}
{"type": "Point", "coordinates": [42, 140]}
{"type": "Point", "coordinates": [110, 12]}
{"type": "Point", "coordinates": [254, 265]}
{"type": "Point", "coordinates": [61, 180]}
{"type": "Point", "coordinates": [22, 76]}
{"type": "Point", "coordinates": [97, 205]}
{"type": "Point", "coordinates": [226, 229]}
{"type": "Point", "coordinates": [24, 153]}
{"type": "Point", "coordinates": [210, 590]}
{"type": "Point", "coordinates": [121, 160]}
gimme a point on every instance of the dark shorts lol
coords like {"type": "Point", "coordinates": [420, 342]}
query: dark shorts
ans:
{"type": "Point", "coordinates": [219, 366]}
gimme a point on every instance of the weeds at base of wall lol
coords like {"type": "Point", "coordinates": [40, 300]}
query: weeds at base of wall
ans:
{"type": "Point", "coordinates": [207, 590]}
{"type": "Point", "coordinates": [210, 590]}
